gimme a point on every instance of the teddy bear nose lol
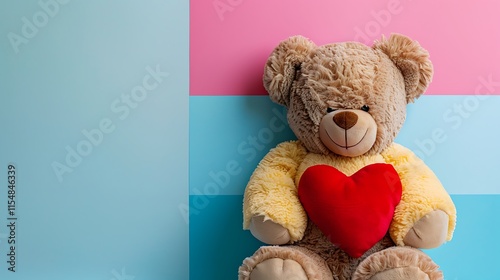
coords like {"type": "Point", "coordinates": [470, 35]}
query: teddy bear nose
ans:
{"type": "Point", "coordinates": [345, 120]}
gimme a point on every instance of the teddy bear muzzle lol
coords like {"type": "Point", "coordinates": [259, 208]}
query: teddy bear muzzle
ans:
{"type": "Point", "coordinates": [348, 132]}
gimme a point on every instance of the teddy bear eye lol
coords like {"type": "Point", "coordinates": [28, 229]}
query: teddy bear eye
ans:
{"type": "Point", "coordinates": [365, 108]}
{"type": "Point", "coordinates": [329, 110]}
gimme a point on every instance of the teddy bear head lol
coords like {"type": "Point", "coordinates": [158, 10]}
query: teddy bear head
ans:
{"type": "Point", "coordinates": [347, 98]}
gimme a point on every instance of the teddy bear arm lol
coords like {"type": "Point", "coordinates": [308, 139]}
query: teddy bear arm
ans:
{"type": "Point", "coordinates": [426, 209]}
{"type": "Point", "coordinates": [271, 194]}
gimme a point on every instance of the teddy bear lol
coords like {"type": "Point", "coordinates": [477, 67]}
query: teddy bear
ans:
{"type": "Point", "coordinates": [344, 201]}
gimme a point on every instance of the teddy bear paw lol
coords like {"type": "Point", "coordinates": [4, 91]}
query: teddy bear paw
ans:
{"type": "Point", "coordinates": [268, 231]}
{"type": "Point", "coordinates": [284, 263]}
{"type": "Point", "coordinates": [278, 269]}
{"type": "Point", "coordinates": [398, 263]}
{"type": "Point", "coordinates": [428, 232]}
{"type": "Point", "coordinates": [413, 273]}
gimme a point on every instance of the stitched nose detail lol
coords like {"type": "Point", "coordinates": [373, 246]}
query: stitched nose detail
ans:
{"type": "Point", "coordinates": [345, 120]}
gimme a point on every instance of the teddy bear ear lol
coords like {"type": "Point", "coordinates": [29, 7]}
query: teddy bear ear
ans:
{"type": "Point", "coordinates": [282, 66]}
{"type": "Point", "coordinates": [411, 59]}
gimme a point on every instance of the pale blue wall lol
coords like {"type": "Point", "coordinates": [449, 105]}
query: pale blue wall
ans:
{"type": "Point", "coordinates": [115, 214]}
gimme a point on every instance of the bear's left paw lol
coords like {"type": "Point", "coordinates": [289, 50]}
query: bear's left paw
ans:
{"type": "Point", "coordinates": [428, 232]}
{"type": "Point", "coordinates": [284, 263]}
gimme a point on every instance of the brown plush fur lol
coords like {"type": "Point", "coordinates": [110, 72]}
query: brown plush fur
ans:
{"type": "Point", "coordinates": [308, 79]}
{"type": "Point", "coordinates": [412, 61]}
{"type": "Point", "coordinates": [340, 263]}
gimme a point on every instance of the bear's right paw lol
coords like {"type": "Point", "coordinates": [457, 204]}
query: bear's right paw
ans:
{"type": "Point", "coordinates": [398, 263]}
{"type": "Point", "coordinates": [278, 269]}
{"type": "Point", "coordinates": [268, 231]}
{"type": "Point", "coordinates": [408, 272]}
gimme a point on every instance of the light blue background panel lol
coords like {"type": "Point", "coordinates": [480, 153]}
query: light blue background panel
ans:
{"type": "Point", "coordinates": [228, 137]}
{"type": "Point", "coordinates": [455, 135]}
{"type": "Point", "coordinates": [94, 114]}
{"type": "Point", "coordinates": [219, 245]}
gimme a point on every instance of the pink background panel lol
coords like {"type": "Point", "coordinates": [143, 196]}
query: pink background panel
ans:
{"type": "Point", "coordinates": [231, 39]}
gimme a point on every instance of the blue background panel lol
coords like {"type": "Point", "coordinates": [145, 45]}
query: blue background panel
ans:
{"type": "Point", "coordinates": [114, 213]}
{"type": "Point", "coordinates": [457, 136]}
{"type": "Point", "coordinates": [218, 244]}
{"type": "Point", "coordinates": [228, 138]}
{"type": "Point", "coordinates": [473, 251]}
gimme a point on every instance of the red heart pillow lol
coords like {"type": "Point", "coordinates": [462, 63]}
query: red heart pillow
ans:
{"type": "Point", "coordinates": [354, 212]}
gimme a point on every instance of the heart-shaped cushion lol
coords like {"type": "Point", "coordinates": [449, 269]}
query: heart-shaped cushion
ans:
{"type": "Point", "coordinates": [353, 212]}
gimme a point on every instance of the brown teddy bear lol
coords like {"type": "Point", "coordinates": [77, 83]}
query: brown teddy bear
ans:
{"type": "Point", "coordinates": [344, 200]}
